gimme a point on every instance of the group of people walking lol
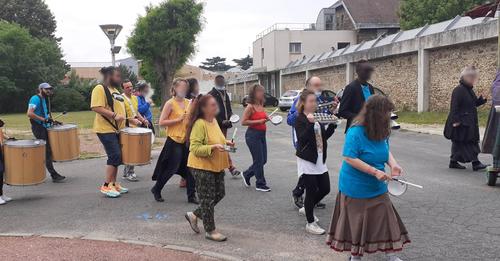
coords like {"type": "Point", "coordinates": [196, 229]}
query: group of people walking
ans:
{"type": "Point", "coordinates": [364, 219]}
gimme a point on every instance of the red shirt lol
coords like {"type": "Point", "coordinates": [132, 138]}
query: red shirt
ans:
{"type": "Point", "coordinates": [258, 115]}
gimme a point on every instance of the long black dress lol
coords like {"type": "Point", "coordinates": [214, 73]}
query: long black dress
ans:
{"type": "Point", "coordinates": [465, 137]}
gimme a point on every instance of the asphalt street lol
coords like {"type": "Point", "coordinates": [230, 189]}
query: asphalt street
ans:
{"type": "Point", "coordinates": [455, 217]}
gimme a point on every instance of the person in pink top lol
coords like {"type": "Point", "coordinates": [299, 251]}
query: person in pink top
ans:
{"type": "Point", "coordinates": [255, 117]}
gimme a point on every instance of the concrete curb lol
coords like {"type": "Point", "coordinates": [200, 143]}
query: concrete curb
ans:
{"type": "Point", "coordinates": [194, 251]}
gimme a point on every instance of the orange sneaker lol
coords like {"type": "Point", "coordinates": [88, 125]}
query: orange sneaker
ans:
{"type": "Point", "coordinates": [110, 191]}
{"type": "Point", "coordinates": [120, 189]}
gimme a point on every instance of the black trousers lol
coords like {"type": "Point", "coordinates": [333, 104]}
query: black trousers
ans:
{"type": "Point", "coordinates": [317, 187]}
{"type": "Point", "coordinates": [41, 133]}
{"type": "Point", "coordinates": [298, 191]}
{"type": "Point", "coordinates": [173, 160]}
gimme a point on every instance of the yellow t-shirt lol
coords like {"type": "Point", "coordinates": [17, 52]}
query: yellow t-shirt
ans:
{"type": "Point", "coordinates": [177, 132]}
{"type": "Point", "coordinates": [99, 100]}
{"type": "Point", "coordinates": [131, 106]}
{"type": "Point", "coordinates": [201, 156]}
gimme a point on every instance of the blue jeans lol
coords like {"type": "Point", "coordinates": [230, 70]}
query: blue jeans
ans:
{"type": "Point", "coordinates": [111, 143]}
{"type": "Point", "coordinates": [256, 142]}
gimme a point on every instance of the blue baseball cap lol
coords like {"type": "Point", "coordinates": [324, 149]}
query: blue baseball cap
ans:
{"type": "Point", "coordinates": [44, 86]}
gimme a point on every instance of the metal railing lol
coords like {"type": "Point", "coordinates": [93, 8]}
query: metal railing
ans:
{"type": "Point", "coordinates": [287, 26]}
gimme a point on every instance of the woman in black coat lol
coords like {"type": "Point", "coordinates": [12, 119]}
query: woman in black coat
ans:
{"type": "Point", "coordinates": [462, 126]}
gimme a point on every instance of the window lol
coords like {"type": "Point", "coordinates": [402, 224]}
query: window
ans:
{"type": "Point", "coordinates": [295, 47]}
{"type": "Point", "coordinates": [329, 22]}
{"type": "Point", "coordinates": [341, 45]}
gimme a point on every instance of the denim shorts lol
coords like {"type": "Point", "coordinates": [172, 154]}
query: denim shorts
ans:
{"type": "Point", "coordinates": [111, 143]}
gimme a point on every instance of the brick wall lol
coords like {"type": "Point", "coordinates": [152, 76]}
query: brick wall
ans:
{"type": "Point", "coordinates": [396, 76]}
{"type": "Point", "coordinates": [447, 63]}
{"type": "Point", "coordinates": [333, 78]}
{"type": "Point", "coordinates": [293, 81]}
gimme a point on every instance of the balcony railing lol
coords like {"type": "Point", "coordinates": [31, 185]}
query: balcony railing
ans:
{"type": "Point", "coordinates": [287, 26]}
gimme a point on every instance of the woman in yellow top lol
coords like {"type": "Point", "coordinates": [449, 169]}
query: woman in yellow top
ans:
{"type": "Point", "coordinates": [207, 161]}
{"type": "Point", "coordinates": [173, 157]}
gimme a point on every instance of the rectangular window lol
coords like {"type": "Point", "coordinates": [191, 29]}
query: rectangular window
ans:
{"type": "Point", "coordinates": [329, 22]}
{"type": "Point", "coordinates": [296, 48]}
{"type": "Point", "coordinates": [341, 45]}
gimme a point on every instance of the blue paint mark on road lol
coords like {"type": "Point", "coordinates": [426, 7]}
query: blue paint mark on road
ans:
{"type": "Point", "coordinates": [146, 216]}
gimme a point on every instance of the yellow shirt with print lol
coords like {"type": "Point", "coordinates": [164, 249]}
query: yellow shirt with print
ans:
{"type": "Point", "coordinates": [131, 106]}
{"type": "Point", "coordinates": [101, 125]}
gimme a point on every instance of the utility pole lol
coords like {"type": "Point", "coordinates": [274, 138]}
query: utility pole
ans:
{"type": "Point", "coordinates": [112, 31]}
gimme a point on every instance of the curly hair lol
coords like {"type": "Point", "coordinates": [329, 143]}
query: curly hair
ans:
{"type": "Point", "coordinates": [376, 117]}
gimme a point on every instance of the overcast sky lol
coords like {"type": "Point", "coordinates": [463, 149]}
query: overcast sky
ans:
{"type": "Point", "coordinates": [230, 25]}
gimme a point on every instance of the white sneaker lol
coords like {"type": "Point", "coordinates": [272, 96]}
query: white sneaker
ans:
{"type": "Point", "coordinates": [2, 202]}
{"type": "Point", "coordinates": [314, 228]}
{"type": "Point", "coordinates": [302, 212]}
{"type": "Point", "coordinates": [393, 258]}
{"type": "Point", "coordinates": [132, 177]}
{"type": "Point", "coordinates": [5, 198]}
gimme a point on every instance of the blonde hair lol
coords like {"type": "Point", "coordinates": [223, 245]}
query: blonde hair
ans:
{"type": "Point", "coordinates": [175, 83]}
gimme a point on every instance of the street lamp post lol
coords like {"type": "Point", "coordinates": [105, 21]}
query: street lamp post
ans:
{"type": "Point", "coordinates": [112, 31]}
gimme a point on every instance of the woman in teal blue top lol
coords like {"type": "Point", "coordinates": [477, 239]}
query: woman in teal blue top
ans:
{"type": "Point", "coordinates": [364, 219]}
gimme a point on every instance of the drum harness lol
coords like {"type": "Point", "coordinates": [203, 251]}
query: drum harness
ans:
{"type": "Point", "coordinates": [111, 104]}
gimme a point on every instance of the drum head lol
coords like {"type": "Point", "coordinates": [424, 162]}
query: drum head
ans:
{"type": "Point", "coordinates": [136, 131]}
{"type": "Point", "coordinates": [396, 188]}
{"type": "Point", "coordinates": [276, 120]}
{"type": "Point", "coordinates": [24, 143]}
{"type": "Point", "coordinates": [63, 127]}
{"type": "Point", "coordinates": [234, 118]}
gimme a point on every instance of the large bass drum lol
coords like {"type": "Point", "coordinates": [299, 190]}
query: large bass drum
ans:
{"type": "Point", "coordinates": [64, 142]}
{"type": "Point", "coordinates": [136, 146]}
{"type": "Point", "coordinates": [24, 162]}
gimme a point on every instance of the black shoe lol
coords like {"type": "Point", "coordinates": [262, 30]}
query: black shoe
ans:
{"type": "Point", "coordinates": [56, 178]}
{"type": "Point", "coordinates": [246, 180]}
{"type": "Point", "coordinates": [263, 188]}
{"type": "Point", "coordinates": [298, 201]}
{"type": "Point", "coordinates": [157, 195]}
{"type": "Point", "coordinates": [456, 165]}
{"type": "Point", "coordinates": [193, 200]}
{"type": "Point", "coordinates": [478, 166]}
{"type": "Point", "coordinates": [321, 205]}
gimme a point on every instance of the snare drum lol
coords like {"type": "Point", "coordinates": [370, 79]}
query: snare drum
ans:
{"type": "Point", "coordinates": [64, 142]}
{"type": "Point", "coordinates": [24, 162]}
{"type": "Point", "coordinates": [136, 146]}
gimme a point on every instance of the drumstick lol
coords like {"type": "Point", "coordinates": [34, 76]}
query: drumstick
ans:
{"type": "Point", "coordinates": [58, 116]}
{"type": "Point", "coordinates": [234, 134]}
{"type": "Point", "coordinates": [408, 183]}
{"type": "Point", "coordinates": [273, 112]}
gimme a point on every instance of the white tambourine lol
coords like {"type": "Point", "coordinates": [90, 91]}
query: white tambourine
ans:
{"type": "Point", "coordinates": [234, 118]}
{"type": "Point", "coordinates": [276, 120]}
{"type": "Point", "coordinates": [396, 188]}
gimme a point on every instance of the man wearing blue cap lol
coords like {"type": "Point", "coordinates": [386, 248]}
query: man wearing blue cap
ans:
{"type": "Point", "coordinates": [39, 113]}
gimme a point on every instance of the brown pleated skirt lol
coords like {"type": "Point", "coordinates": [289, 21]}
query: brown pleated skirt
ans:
{"type": "Point", "coordinates": [366, 226]}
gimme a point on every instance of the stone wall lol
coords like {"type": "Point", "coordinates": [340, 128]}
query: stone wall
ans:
{"type": "Point", "coordinates": [342, 19]}
{"type": "Point", "coordinates": [293, 81]}
{"type": "Point", "coordinates": [333, 78]}
{"type": "Point", "coordinates": [396, 76]}
{"type": "Point", "coordinates": [447, 63]}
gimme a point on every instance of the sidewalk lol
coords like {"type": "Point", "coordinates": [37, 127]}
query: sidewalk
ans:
{"type": "Point", "coordinates": [58, 249]}
{"type": "Point", "coordinates": [434, 129]}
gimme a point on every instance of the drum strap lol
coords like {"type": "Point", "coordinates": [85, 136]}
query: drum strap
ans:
{"type": "Point", "coordinates": [109, 101]}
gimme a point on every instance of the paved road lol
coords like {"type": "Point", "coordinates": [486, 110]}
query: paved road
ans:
{"type": "Point", "coordinates": [456, 216]}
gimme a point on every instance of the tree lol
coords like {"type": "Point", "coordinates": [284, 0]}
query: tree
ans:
{"type": "Point", "coordinates": [26, 62]}
{"type": "Point", "coordinates": [417, 13]}
{"type": "Point", "coordinates": [216, 64]}
{"type": "Point", "coordinates": [245, 63]}
{"type": "Point", "coordinates": [128, 74]}
{"type": "Point", "coordinates": [165, 38]}
{"type": "Point", "coordinates": [33, 15]}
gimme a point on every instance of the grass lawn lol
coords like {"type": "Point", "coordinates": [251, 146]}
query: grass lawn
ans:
{"type": "Point", "coordinates": [19, 121]}
{"type": "Point", "coordinates": [434, 117]}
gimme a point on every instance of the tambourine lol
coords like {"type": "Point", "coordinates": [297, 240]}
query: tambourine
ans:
{"type": "Point", "coordinates": [276, 120]}
{"type": "Point", "coordinates": [230, 149]}
{"type": "Point", "coordinates": [234, 118]}
{"type": "Point", "coordinates": [326, 118]}
{"type": "Point", "coordinates": [398, 186]}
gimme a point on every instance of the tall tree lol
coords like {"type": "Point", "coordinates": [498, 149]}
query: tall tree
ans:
{"type": "Point", "coordinates": [417, 13]}
{"type": "Point", "coordinates": [215, 64]}
{"type": "Point", "coordinates": [165, 38]}
{"type": "Point", "coordinates": [245, 63]}
{"type": "Point", "coordinates": [25, 62]}
{"type": "Point", "coordinates": [33, 15]}
{"type": "Point", "coordinates": [128, 74]}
